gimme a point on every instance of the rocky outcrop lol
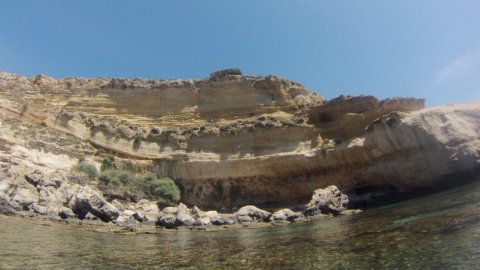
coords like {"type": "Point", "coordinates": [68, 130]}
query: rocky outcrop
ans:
{"type": "Point", "coordinates": [229, 140]}
{"type": "Point", "coordinates": [327, 201]}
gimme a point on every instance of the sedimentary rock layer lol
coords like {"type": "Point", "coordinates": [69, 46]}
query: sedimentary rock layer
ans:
{"type": "Point", "coordinates": [232, 140]}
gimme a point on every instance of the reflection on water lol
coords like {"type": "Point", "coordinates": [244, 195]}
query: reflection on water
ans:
{"type": "Point", "coordinates": [435, 232]}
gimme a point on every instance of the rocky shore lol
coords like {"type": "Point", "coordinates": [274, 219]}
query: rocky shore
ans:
{"type": "Point", "coordinates": [52, 196]}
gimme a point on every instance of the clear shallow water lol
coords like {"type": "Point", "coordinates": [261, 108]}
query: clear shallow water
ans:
{"type": "Point", "coordinates": [441, 231]}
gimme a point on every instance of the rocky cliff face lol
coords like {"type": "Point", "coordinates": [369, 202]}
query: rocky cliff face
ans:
{"type": "Point", "coordinates": [232, 140]}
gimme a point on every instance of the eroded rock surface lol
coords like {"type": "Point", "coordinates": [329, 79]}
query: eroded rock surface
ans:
{"type": "Point", "coordinates": [229, 140]}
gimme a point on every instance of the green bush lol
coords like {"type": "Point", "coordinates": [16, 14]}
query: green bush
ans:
{"type": "Point", "coordinates": [132, 166]}
{"type": "Point", "coordinates": [155, 187]}
{"type": "Point", "coordinates": [137, 140]}
{"type": "Point", "coordinates": [142, 186]}
{"type": "Point", "coordinates": [88, 168]}
{"type": "Point", "coordinates": [116, 178]}
{"type": "Point", "coordinates": [108, 163]}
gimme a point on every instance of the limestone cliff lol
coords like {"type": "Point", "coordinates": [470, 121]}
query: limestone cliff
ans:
{"type": "Point", "coordinates": [232, 140]}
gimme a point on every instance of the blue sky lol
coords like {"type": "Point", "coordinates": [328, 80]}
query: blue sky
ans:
{"type": "Point", "coordinates": [427, 48]}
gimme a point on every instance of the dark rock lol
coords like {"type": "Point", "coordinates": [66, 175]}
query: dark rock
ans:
{"type": "Point", "coordinates": [5, 208]}
{"type": "Point", "coordinates": [327, 201]}
{"type": "Point", "coordinates": [221, 74]}
{"type": "Point", "coordinates": [37, 178]}
{"type": "Point", "coordinates": [90, 216]}
{"type": "Point", "coordinates": [224, 219]}
{"type": "Point", "coordinates": [66, 213]}
{"type": "Point", "coordinates": [87, 200]}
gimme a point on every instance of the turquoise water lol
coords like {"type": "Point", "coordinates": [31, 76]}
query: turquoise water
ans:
{"type": "Point", "coordinates": [440, 231]}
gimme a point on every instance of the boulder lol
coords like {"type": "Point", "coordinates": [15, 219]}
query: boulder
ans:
{"type": "Point", "coordinates": [167, 220]}
{"type": "Point", "coordinates": [285, 215]}
{"type": "Point", "coordinates": [172, 217]}
{"type": "Point", "coordinates": [38, 178]}
{"type": "Point", "coordinates": [86, 200]}
{"type": "Point", "coordinates": [253, 212]}
{"type": "Point", "coordinates": [184, 217]}
{"type": "Point", "coordinates": [224, 219]}
{"type": "Point", "coordinates": [126, 219]}
{"type": "Point", "coordinates": [203, 221]}
{"type": "Point", "coordinates": [23, 199]}
{"type": "Point", "coordinates": [329, 200]}
{"type": "Point", "coordinates": [146, 211]}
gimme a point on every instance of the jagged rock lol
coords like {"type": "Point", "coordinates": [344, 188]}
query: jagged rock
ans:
{"type": "Point", "coordinates": [329, 200]}
{"type": "Point", "coordinates": [183, 216]}
{"type": "Point", "coordinates": [66, 213]}
{"type": "Point", "coordinates": [86, 200]}
{"type": "Point", "coordinates": [203, 218]}
{"type": "Point", "coordinates": [285, 215]}
{"type": "Point", "coordinates": [5, 208]}
{"type": "Point", "coordinates": [23, 199]}
{"type": "Point", "coordinates": [146, 211]}
{"type": "Point", "coordinates": [34, 177]}
{"type": "Point", "coordinates": [168, 218]}
{"type": "Point", "coordinates": [51, 196]}
{"type": "Point", "coordinates": [171, 217]}
{"type": "Point", "coordinates": [126, 219]}
{"type": "Point", "coordinates": [253, 212]}
{"type": "Point", "coordinates": [38, 178]}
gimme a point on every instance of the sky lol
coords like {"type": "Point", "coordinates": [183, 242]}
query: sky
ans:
{"type": "Point", "coordinates": [423, 48]}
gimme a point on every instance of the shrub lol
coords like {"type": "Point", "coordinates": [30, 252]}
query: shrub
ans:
{"type": "Point", "coordinates": [142, 186]}
{"type": "Point", "coordinates": [155, 187]}
{"type": "Point", "coordinates": [88, 168]}
{"type": "Point", "coordinates": [132, 166]}
{"type": "Point", "coordinates": [108, 163]}
{"type": "Point", "coordinates": [137, 140]}
{"type": "Point", "coordinates": [116, 178]}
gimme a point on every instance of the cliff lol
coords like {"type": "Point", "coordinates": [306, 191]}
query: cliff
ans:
{"type": "Point", "coordinates": [231, 140]}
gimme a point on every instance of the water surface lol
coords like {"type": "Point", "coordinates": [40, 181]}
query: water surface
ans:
{"type": "Point", "coordinates": [440, 231]}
